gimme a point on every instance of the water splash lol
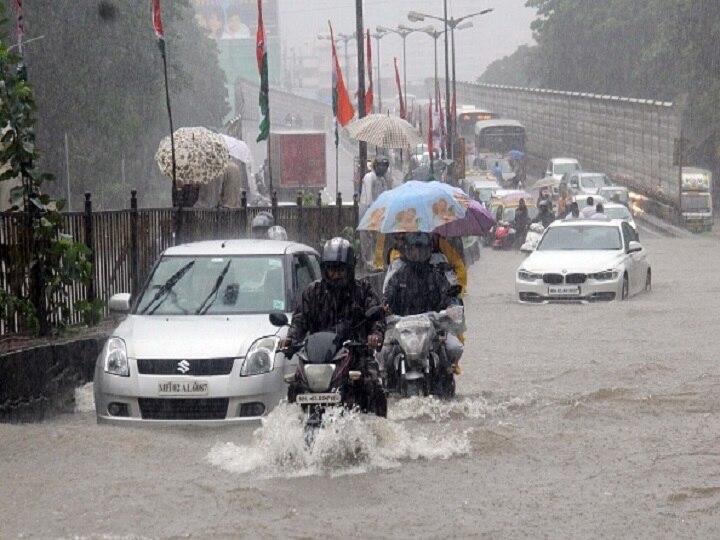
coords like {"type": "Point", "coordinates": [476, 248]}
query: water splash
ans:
{"type": "Point", "coordinates": [349, 443]}
{"type": "Point", "coordinates": [437, 410]}
{"type": "Point", "coordinates": [85, 398]}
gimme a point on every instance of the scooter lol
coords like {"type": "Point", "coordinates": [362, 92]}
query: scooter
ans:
{"type": "Point", "coordinates": [504, 236]}
{"type": "Point", "coordinates": [332, 373]}
{"type": "Point", "coordinates": [532, 238]}
{"type": "Point", "coordinates": [418, 356]}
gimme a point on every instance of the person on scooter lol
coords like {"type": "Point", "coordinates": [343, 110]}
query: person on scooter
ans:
{"type": "Point", "coordinates": [261, 224]}
{"type": "Point", "coordinates": [337, 303]}
{"type": "Point", "coordinates": [419, 287]}
{"type": "Point", "coordinates": [545, 217]}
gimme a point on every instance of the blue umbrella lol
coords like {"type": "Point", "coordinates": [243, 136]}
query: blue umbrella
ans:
{"type": "Point", "coordinates": [517, 155]}
{"type": "Point", "coordinates": [415, 206]}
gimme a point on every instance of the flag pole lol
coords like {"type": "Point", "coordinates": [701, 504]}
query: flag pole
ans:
{"type": "Point", "coordinates": [337, 167]}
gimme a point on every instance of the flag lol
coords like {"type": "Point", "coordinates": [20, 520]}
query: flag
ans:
{"type": "Point", "coordinates": [19, 23]}
{"type": "Point", "coordinates": [369, 93]}
{"type": "Point", "coordinates": [342, 106]}
{"type": "Point", "coordinates": [157, 24]}
{"type": "Point", "coordinates": [431, 148]}
{"type": "Point", "coordinates": [400, 94]}
{"type": "Point", "coordinates": [443, 130]}
{"type": "Point", "coordinates": [262, 62]}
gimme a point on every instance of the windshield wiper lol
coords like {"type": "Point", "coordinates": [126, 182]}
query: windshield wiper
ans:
{"type": "Point", "coordinates": [214, 292]}
{"type": "Point", "coordinates": [166, 288]}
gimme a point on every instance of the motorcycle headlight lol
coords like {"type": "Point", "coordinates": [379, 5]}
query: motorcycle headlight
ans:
{"type": "Point", "coordinates": [260, 357]}
{"type": "Point", "coordinates": [607, 275]}
{"type": "Point", "coordinates": [524, 275]}
{"type": "Point", "coordinates": [115, 357]}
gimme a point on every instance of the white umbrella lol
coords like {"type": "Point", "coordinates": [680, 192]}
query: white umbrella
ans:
{"type": "Point", "coordinates": [384, 131]}
{"type": "Point", "coordinates": [238, 149]}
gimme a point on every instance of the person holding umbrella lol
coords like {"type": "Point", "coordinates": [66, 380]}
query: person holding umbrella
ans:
{"type": "Point", "coordinates": [373, 184]}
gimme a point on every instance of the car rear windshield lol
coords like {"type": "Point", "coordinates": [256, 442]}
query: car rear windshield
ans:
{"type": "Point", "coordinates": [580, 237]}
{"type": "Point", "coordinates": [562, 168]}
{"type": "Point", "coordinates": [198, 285]}
{"type": "Point", "coordinates": [617, 213]}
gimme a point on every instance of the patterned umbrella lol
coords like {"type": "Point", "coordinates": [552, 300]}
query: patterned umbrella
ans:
{"type": "Point", "coordinates": [200, 155]}
{"type": "Point", "coordinates": [384, 131]}
{"type": "Point", "coordinates": [415, 206]}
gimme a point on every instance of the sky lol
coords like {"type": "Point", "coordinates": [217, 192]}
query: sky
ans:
{"type": "Point", "coordinates": [492, 36]}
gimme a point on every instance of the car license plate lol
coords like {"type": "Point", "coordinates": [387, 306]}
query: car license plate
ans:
{"type": "Point", "coordinates": [309, 399]}
{"type": "Point", "coordinates": [573, 290]}
{"type": "Point", "coordinates": [183, 388]}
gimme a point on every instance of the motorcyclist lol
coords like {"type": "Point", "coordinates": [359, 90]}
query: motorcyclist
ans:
{"type": "Point", "coordinates": [419, 287]}
{"type": "Point", "coordinates": [337, 303]}
{"type": "Point", "coordinates": [261, 224]}
{"type": "Point", "coordinates": [545, 217]}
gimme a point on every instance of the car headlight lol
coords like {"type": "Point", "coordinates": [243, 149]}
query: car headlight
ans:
{"type": "Point", "coordinates": [260, 357]}
{"type": "Point", "coordinates": [116, 360]}
{"type": "Point", "coordinates": [607, 275]}
{"type": "Point", "coordinates": [524, 275]}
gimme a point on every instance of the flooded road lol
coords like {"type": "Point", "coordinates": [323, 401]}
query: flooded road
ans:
{"type": "Point", "coordinates": [595, 421]}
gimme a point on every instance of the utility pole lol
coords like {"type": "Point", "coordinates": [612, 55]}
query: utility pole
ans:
{"type": "Point", "coordinates": [360, 38]}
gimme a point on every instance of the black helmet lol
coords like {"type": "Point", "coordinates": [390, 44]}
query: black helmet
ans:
{"type": "Point", "coordinates": [338, 254]}
{"type": "Point", "coordinates": [381, 163]}
{"type": "Point", "coordinates": [417, 248]}
{"type": "Point", "coordinates": [544, 205]}
{"type": "Point", "coordinates": [262, 222]}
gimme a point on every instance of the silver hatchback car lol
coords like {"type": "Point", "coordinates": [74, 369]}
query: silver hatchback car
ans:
{"type": "Point", "coordinates": [197, 345]}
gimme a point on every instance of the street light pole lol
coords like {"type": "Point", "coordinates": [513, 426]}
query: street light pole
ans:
{"type": "Point", "coordinates": [377, 36]}
{"type": "Point", "coordinates": [449, 125]}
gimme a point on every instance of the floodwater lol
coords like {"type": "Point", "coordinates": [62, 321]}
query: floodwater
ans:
{"type": "Point", "coordinates": [597, 421]}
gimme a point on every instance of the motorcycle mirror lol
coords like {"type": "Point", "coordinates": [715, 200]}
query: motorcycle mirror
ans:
{"type": "Point", "coordinates": [278, 318]}
{"type": "Point", "coordinates": [374, 313]}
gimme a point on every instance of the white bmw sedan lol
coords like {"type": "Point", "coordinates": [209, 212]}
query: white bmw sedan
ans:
{"type": "Point", "coordinates": [584, 260]}
{"type": "Point", "coordinates": [197, 345]}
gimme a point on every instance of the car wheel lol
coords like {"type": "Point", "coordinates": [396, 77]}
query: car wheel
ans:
{"type": "Point", "coordinates": [625, 288]}
{"type": "Point", "coordinates": [648, 281]}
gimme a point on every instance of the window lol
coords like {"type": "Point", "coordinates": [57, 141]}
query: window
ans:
{"type": "Point", "coordinates": [306, 269]}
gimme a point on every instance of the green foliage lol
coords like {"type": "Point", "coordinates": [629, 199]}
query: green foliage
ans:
{"type": "Point", "coordinates": [52, 260]}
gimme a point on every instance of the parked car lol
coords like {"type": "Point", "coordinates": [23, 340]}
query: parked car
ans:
{"type": "Point", "coordinates": [619, 194]}
{"type": "Point", "coordinates": [557, 167]}
{"type": "Point", "coordinates": [584, 260]}
{"type": "Point", "coordinates": [197, 345]}
{"type": "Point", "coordinates": [619, 211]}
{"type": "Point", "coordinates": [586, 182]}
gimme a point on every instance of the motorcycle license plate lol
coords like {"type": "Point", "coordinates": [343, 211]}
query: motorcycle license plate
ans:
{"type": "Point", "coordinates": [564, 291]}
{"type": "Point", "coordinates": [311, 399]}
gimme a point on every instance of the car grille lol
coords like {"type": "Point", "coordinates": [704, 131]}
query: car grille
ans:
{"type": "Point", "coordinates": [556, 279]}
{"type": "Point", "coordinates": [183, 409]}
{"type": "Point", "coordinates": [193, 368]}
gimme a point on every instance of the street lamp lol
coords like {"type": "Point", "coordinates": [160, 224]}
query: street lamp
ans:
{"type": "Point", "coordinates": [451, 23]}
{"type": "Point", "coordinates": [403, 32]}
{"type": "Point", "coordinates": [378, 36]}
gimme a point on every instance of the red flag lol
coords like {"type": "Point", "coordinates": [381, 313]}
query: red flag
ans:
{"type": "Point", "coordinates": [443, 131]}
{"type": "Point", "coordinates": [431, 148]}
{"type": "Point", "coordinates": [342, 106]}
{"type": "Point", "coordinates": [400, 94]}
{"type": "Point", "coordinates": [262, 62]}
{"type": "Point", "coordinates": [19, 23]}
{"type": "Point", "coordinates": [369, 92]}
{"type": "Point", "coordinates": [157, 24]}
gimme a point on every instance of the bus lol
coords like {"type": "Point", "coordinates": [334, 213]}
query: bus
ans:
{"type": "Point", "coordinates": [498, 136]}
{"type": "Point", "coordinates": [467, 116]}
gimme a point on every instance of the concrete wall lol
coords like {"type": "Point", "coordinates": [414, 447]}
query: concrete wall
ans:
{"type": "Point", "coordinates": [630, 139]}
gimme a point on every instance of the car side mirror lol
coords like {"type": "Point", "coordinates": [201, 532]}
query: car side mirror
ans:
{"type": "Point", "coordinates": [278, 318]}
{"type": "Point", "coordinates": [634, 246]}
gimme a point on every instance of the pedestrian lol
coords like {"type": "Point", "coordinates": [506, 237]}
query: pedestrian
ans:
{"type": "Point", "coordinates": [497, 171]}
{"type": "Point", "coordinates": [599, 212]}
{"type": "Point", "coordinates": [574, 211]}
{"type": "Point", "coordinates": [373, 184]}
{"type": "Point", "coordinates": [589, 210]}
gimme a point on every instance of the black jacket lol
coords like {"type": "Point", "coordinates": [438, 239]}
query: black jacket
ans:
{"type": "Point", "coordinates": [326, 309]}
{"type": "Point", "coordinates": [418, 288]}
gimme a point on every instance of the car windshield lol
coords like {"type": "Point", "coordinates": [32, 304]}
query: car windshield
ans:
{"type": "Point", "coordinates": [198, 285]}
{"type": "Point", "coordinates": [580, 237]}
{"type": "Point", "coordinates": [562, 168]}
{"type": "Point", "coordinates": [592, 182]}
{"type": "Point", "coordinates": [619, 212]}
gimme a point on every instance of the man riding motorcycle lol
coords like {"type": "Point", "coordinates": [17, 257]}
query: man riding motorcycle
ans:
{"type": "Point", "coordinates": [419, 287]}
{"type": "Point", "coordinates": [338, 303]}
{"type": "Point", "coordinates": [546, 216]}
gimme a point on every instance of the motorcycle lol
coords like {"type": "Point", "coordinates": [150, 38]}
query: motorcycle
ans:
{"type": "Point", "coordinates": [532, 238]}
{"type": "Point", "coordinates": [504, 236]}
{"type": "Point", "coordinates": [418, 356]}
{"type": "Point", "coordinates": [332, 373]}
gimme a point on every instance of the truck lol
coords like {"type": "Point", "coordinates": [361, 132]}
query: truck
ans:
{"type": "Point", "coordinates": [696, 198]}
{"type": "Point", "coordinates": [297, 161]}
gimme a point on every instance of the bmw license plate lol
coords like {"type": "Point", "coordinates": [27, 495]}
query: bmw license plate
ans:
{"type": "Point", "coordinates": [183, 388]}
{"type": "Point", "coordinates": [311, 399]}
{"type": "Point", "coordinates": [560, 290]}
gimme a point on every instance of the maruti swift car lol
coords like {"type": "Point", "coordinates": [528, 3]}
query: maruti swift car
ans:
{"type": "Point", "coordinates": [197, 345]}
